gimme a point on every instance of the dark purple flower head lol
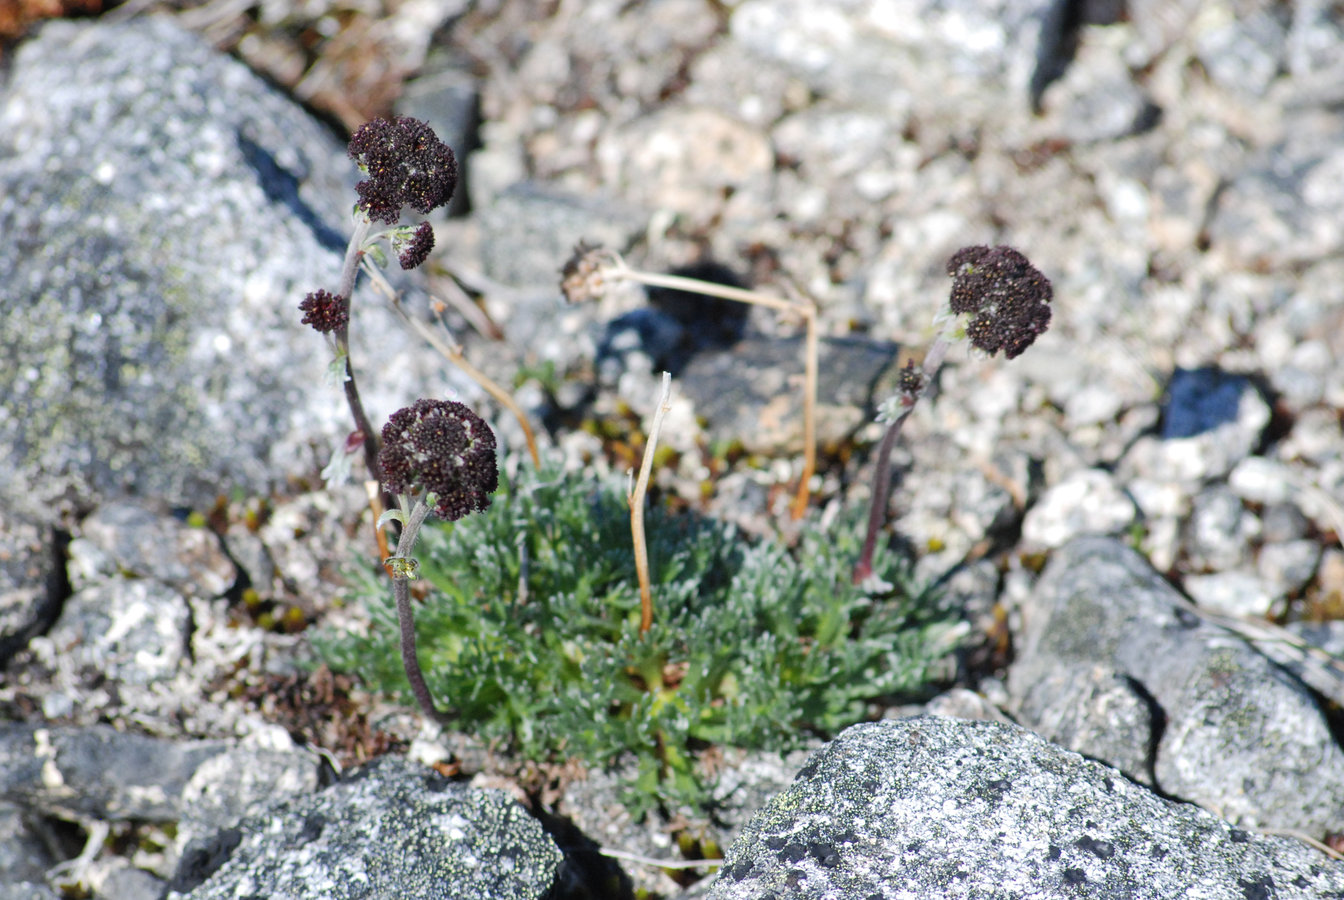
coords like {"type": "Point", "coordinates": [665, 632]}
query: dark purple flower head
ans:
{"type": "Point", "coordinates": [440, 447]}
{"type": "Point", "coordinates": [325, 312]}
{"type": "Point", "coordinates": [407, 164]}
{"type": "Point", "coordinates": [413, 250]}
{"type": "Point", "coordinates": [1007, 298]}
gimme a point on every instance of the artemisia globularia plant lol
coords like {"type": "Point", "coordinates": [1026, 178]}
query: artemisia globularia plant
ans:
{"type": "Point", "coordinates": [435, 456]}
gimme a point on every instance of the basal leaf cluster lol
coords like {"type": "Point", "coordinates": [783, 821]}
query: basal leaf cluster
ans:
{"type": "Point", "coordinates": [531, 633]}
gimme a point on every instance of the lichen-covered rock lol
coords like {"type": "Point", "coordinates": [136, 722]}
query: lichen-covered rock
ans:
{"type": "Point", "coordinates": [930, 807]}
{"type": "Point", "coordinates": [390, 829]}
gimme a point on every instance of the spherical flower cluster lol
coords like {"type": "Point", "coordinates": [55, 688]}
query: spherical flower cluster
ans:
{"type": "Point", "coordinates": [443, 448]}
{"type": "Point", "coordinates": [413, 250]}
{"type": "Point", "coordinates": [407, 164]}
{"type": "Point", "coordinates": [325, 312]}
{"type": "Point", "coordinates": [1007, 298]}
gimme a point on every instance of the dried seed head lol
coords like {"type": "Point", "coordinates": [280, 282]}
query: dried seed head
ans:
{"type": "Point", "coordinates": [407, 164]}
{"type": "Point", "coordinates": [583, 278]}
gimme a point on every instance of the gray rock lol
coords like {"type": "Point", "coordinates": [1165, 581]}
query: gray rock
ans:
{"type": "Point", "coordinates": [129, 631]}
{"type": "Point", "coordinates": [27, 890]}
{"type": "Point", "coordinates": [129, 883]}
{"type": "Point", "coordinates": [1098, 98]}
{"type": "Point", "coordinates": [1212, 421]}
{"type": "Point", "coordinates": [931, 807]}
{"type": "Point", "coordinates": [174, 210]}
{"type": "Point", "coordinates": [1094, 710]}
{"type": "Point", "coordinates": [1087, 501]}
{"type": "Point", "coordinates": [1239, 736]}
{"type": "Point", "coordinates": [1234, 593]}
{"type": "Point", "coordinates": [138, 541]}
{"type": "Point", "coordinates": [1219, 532]}
{"type": "Point", "coordinates": [1280, 211]}
{"type": "Point", "coordinates": [859, 52]}
{"type": "Point", "coordinates": [24, 858]}
{"type": "Point", "coordinates": [391, 828]}
{"type": "Point", "coordinates": [31, 583]}
{"type": "Point", "coordinates": [241, 781]}
{"type": "Point", "coordinates": [1314, 38]}
{"type": "Point", "coordinates": [97, 772]}
{"type": "Point", "coordinates": [1245, 54]}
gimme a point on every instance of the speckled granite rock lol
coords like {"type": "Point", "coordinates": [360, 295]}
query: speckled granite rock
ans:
{"type": "Point", "coordinates": [928, 807]}
{"type": "Point", "coordinates": [392, 828]}
{"type": "Point", "coordinates": [174, 210]}
{"type": "Point", "coordinates": [1226, 728]}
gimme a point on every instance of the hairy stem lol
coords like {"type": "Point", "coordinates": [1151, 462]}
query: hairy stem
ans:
{"type": "Point", "coordinates": [401, 588]}
{"type": "Point", "coordinates": [354, 251]}
{"type": "Point", "coordinates": [877, 512]}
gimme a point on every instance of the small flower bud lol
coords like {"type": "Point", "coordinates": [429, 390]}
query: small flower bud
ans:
{"type": "Point", "coordinates": [1007, 298]}
{"type": "Point", "coordinates": [325, 312]}
{"type": "Point", "coordinates": [440, 447]}
{"type": "Point", "coordinates": [414, 249]}
{"type": "Point", "coordinates": [911, 383]}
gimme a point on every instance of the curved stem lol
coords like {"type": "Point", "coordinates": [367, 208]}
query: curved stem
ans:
{"type": "Point", "coordinates": [877, 511]}
{"type": "Point", "coordinates": [354, 252]}
{"type": "Point", "coordinates": [401, 589]}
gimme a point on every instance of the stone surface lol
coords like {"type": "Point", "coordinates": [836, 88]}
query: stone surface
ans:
{"type": "Point", "coordinates": [1237, 735]}
{"type": "Point", "coordinates": [1172, 170]}
{"type": "Point", "coordinates": [1087, 502]}
{"type": "Point", "coordinates": [136, 541]}
{"type": "Point", "coordinates": [97, 772]}
{"type": "Point", "coordinates": [32, 580]}
{"type": "Point", "coordinates": [391, 828]}
{"type": "Point", "coordinates": [925, 807]}
{"type": "Point", "coordinates": [174, 210]}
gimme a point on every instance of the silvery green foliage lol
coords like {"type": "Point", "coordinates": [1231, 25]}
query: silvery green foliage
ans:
{"type": "Point", "coordinates": [531, 634]}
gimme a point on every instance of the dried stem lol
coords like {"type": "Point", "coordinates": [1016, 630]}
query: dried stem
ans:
{"type": "Point", "coordinates": [636, 502]}
{"type": "Point", "coordinates": [810, 349]}
{"type": "Point", "coordinates": [453, 353]}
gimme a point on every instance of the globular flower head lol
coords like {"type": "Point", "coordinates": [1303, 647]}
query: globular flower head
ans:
{"type": "Point", "coordinates": [325, 312]}
{"type": "Point", "coordinates": [440, 447]}
{"type": "Point", "coordinates": [1007, 298]}
{"type": "Point", "coordinates": [414, 249]}
{"type": "Point", "coordinates": [407, 164]}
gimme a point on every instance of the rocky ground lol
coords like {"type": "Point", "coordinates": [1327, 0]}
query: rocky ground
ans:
{"type": "Point", "coordinates": [1177, 170]}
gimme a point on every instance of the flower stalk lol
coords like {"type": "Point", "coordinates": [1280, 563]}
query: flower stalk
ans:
{"type": "Point", "coordinates": [1007, 302]}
